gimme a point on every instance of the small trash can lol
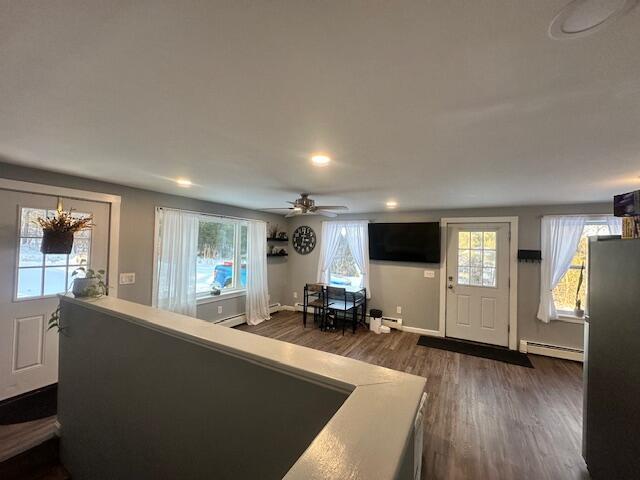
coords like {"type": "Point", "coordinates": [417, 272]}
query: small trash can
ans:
{"type": "Point", "coordinates": [375, 320]}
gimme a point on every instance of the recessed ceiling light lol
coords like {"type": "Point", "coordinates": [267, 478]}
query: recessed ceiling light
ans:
{"type": "Point", "coordinates": [320, 160]}
{"type": "Point", "coordinates": [183, 182]}
{"type": "Point", "coordinates": [584, 17]}
{"type": "Point", "coordinates": [392, 204]}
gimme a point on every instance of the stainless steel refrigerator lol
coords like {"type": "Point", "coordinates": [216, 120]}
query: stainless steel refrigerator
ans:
{"type": "Point", "coordinates": [611, 436]}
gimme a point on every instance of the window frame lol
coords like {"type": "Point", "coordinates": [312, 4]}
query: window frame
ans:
{"type": "Point", "coordinates": [343, 235]}
{"type": "Point", "coordinates": [43, 266]}
{"type": "Point", "coordinates": [237, 290]}
{"type": "Point", "coordinates": [569, 315]}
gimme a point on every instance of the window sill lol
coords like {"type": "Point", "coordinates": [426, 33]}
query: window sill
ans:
{"type": "Point", "coordinates": [223, 296]}
{"type": "Point", "coordinates": [570, 318]}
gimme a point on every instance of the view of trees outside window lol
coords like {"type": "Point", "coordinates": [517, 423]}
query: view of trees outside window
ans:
{"type": "Point", "coordinates": [219, 257]}
{"type": "Point", "coordinates": [344, 270]}
{"type": "Point", "coordinates": [564, 294]}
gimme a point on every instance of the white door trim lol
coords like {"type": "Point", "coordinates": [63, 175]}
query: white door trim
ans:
{"type": "Point", "coordinates": [513, 271]}
{"type": "Point", "coordinates": [114, 221]}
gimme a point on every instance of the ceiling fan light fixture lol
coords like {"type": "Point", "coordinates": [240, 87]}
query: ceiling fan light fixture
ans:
{"type": "Point", "coordinates": [391, 204]}
{"type": "Point", "coordinates": [580, 18]}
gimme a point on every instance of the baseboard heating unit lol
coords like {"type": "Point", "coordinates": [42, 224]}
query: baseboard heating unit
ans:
{"type": "Point", "coordinates": [556, 351]}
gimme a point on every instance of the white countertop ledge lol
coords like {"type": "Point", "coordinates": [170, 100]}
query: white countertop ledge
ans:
{"type": "Point", "coordinates": [373, 425]}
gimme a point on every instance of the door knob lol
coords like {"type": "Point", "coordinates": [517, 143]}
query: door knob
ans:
{"type": "Point", "coordinates": [450, 287]}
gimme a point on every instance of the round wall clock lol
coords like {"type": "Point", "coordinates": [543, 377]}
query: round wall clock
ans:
{"type": "Point", "coordinates": [304, 240]}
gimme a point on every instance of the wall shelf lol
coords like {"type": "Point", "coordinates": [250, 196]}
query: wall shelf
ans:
{"type": "Point", "coordinates": [276, 239]}
{"type": "Point", "coordinates": [277, 254]}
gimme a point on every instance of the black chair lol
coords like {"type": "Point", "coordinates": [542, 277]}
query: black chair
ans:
{"type": "Point", "coordinates": [315, 297]}
{"type": "Point", "coordinates": [342, 307]}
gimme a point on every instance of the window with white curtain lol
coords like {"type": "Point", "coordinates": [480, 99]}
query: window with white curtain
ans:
{"type": "Point", "coordinates": [222, 256]}
{"type": "Point", "coordinates": [566, 291]}
{"type": "Point", "coordinates": [344, 270]}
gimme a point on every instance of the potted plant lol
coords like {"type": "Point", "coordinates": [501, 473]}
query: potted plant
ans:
{"type": "Point", "coordinates": [58, 230]}
{"type": "Point", "coordinates": [92, 285]}
{"type": "Point", "coordinates": [578, 311]}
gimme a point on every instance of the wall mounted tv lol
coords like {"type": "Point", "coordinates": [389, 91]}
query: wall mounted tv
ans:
{"type": "Point", "coordinates": [405, 242]}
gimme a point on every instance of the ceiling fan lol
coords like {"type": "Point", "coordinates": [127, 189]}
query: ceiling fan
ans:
{"type": "Point", "coordinates": [306, 206]}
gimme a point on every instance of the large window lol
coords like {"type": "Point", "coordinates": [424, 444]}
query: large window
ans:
{"type": "Point", "coordinates": [566, 292]}
{"type": "Point", "coordinates": [222, 256]}
{"type": "Point", "coordinates": [41, 275]}
{"type": "Point", "coordinates": [344, 270]}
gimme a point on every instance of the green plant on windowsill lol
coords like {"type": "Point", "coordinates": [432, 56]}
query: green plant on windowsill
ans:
{"type": "Point", "coordinates": [92, 285]}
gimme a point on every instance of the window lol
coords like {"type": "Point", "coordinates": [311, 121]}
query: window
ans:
{"type": "Point", "coordinates": [344, 270]}
{"type": "Point", "coordinates": [41, 275]}
{"type": "Point", "coordinates": [222, 256]}
{"type": "Point", "coordinates": [564, 295]}
{"type": "Point", "coordinates": [477, 259]}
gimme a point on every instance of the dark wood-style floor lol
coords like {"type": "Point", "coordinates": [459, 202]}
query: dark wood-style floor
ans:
{"type": "Point", "coordinates": [484, 419]}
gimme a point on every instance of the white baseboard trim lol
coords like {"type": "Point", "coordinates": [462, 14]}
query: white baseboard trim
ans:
{"type": "Point", "coordinates": [422, 331]}
{"type": "Point", "coordinates": [236, 320]}
{"type": "Point", "coordinates": [549, 350]}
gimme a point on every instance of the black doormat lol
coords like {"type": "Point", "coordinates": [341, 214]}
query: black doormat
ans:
{"type": "Point", "coordinates": [30, 406]}
{"type": "Point", "coordinates": [477, 350]}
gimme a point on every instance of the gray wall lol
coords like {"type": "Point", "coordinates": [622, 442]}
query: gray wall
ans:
{"type": "Point", "coordinates": [392, 283]}
{"type": "Point", "coordinates": [403, 284]}
{"type": "Point", "coordinates": [137, 223]}
{"type": "Point", "coordinates": [137, 403]}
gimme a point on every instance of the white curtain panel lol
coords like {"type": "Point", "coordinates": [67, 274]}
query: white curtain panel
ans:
{"type": "Point", "coordinates": [257, 298]}
{"type": "Point", "coordinates": [560, 236]}
{"type": "Point", "coordinates": [177, 249]}
{"type": "Point", "coordinates": [358, 240]}
{"type": "Point", "coordinates": [615, 225]}
{"type": "Point", "coordinates": [329, 243]}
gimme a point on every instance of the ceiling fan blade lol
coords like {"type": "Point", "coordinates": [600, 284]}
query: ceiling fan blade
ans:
{"type": "Point", "coordinates": [325, 213]}
{"type": "Point", "coordinates": [332, 207]}
{"type": "Point", "coordinates": [278, 208]}
{"type": "Point", "coordinates": [293, 213]}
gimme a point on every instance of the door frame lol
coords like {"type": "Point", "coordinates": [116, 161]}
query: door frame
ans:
{"type": "Point", "coordinates": [513, 271]}
{"type": "Point", "coordinates": [114, 216]}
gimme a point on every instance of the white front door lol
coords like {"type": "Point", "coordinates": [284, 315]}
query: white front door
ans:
{"type": "Point", "coordinates": [478, 282]}
{"type": "Point", "coordinates": [30, 282]}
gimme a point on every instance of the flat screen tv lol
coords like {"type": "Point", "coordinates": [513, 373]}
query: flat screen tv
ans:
{"type": "Point", "coordinates": [405, 242]}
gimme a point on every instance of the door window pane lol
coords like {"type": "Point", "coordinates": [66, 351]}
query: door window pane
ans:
{"type": "Point", "coordinates": [80, 253]}
{"type": "Point", "coordinates": [55, 259]}
{"type": "Point", "coordinates": [29, 282]}
{"type": "Point", "coordinates": [28, 225]}
{"type": "Point", "coordinates": [477, 259]}
{"type": "Point", "coordinates": [30, 255]}
{"type": "Point", "coordinates": [55, 280]}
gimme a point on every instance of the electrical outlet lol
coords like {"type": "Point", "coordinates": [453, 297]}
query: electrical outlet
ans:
{"type": "Point", "coordinates": [127, 278]}
{"type": "Point", "coordinates": [295, 294]}
{"type": "Point", "coordinates": [429, 274]}
{"type": "Point", "coordinates": [219, 308]}
{"type": "Point", "coordinates": [399, 309]}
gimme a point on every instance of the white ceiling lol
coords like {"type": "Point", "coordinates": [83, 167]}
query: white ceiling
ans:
{"type": "Point", "coordinates": [448, 103]}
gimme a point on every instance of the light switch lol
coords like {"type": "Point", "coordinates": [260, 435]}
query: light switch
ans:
{"type": "Point", "coordinates": [295, 294]}
{"type": "Point", "coordinates": [219, 308]}
{"type": "Point", "coordinates": [127, 278]}
{"type": "Point", "coordinates": [399, 309]}
{"type": "Point", "coordinates": [429, 274]}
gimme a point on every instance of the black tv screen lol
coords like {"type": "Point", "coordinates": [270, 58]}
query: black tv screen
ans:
{"type": "Point", "coordinates": [405, 242]}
